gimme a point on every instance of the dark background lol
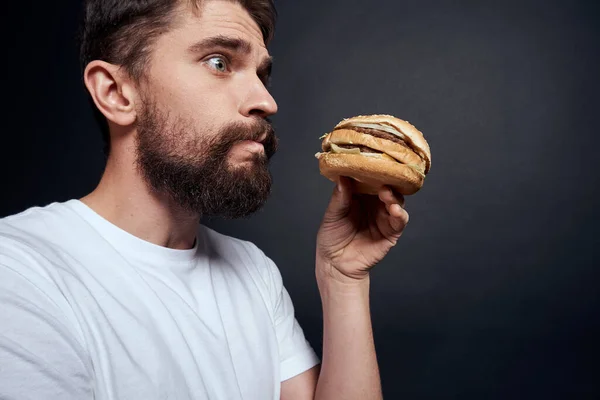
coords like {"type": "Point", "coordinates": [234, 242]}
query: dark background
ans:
{"type": "Point", "coordinates": [492, 291]}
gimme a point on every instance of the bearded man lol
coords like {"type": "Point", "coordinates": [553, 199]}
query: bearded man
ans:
{"type": "Point", "coordinates": [123, 293]}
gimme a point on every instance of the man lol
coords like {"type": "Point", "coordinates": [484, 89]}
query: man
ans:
{"type": "Point", "coordinates": [123, 294]}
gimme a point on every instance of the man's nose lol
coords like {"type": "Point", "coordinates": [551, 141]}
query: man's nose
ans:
{"type": "Point", "coordinates": [259, 102]}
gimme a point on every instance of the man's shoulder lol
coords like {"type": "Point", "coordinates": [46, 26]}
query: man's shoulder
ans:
{"type": "Point", "coordinates": [28, 250]}
{"type": "Point", "coordinates": [32, 220]}
{"type": "Point", "coordinates": [34, 230]}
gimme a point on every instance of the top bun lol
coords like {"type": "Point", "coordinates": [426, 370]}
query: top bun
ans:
{"type": "Point", "coordinates": [414, 136]}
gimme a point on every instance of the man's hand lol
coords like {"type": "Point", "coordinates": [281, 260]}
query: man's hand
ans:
{"type": "Point", "coordinates": [357, 231]}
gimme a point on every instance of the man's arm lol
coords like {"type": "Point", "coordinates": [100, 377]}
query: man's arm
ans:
{"type": "Point", "coordinates": [349, 368]}
{"type": "Point", "coordinates": [301, 387]}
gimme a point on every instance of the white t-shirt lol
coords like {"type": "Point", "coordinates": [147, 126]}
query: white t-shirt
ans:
{"type": "Point", "coordinates": [88, 310]}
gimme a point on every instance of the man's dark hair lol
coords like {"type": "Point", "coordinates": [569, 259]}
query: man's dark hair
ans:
{"type": "Point", "coordinates": [122, 32]}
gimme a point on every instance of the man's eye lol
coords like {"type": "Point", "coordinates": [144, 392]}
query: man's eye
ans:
{"type": "Point", "coordinates": [218, 63]}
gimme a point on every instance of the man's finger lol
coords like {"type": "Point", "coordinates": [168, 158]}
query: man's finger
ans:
{"type": "Point", "coordinates": [389, 225]}
{"type": "Point", "coordinates": [389, 197]}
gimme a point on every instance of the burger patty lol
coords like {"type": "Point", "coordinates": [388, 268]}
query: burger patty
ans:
{"type": "Point", "coordinates": [381, 135]}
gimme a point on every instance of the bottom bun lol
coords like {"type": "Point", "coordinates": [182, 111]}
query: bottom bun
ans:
{"type": "Point", "coordinates": [370, 174]}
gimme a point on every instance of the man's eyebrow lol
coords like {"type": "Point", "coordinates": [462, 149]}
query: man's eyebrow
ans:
{"type": "Point", "coordinates": [231, 43]}
{"type": "Point", "coordinates": [265, 67]}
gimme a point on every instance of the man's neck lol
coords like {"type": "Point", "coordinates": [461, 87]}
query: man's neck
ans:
{"type": "Point", "coordinates": [124, 199]}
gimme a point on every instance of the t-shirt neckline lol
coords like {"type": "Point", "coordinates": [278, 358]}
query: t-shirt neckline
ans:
{"type": "Point", "coordinates": [128, 243]}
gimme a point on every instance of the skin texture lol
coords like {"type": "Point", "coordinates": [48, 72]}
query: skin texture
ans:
{"type": "Point", "coordinates": [357, 231]}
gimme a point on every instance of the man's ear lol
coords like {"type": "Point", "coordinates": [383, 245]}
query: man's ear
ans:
{"type": "Point", "coordinates": [112, 91]}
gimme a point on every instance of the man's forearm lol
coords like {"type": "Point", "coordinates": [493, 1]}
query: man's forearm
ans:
{"type": "Point", "coordinates": [349, 367]}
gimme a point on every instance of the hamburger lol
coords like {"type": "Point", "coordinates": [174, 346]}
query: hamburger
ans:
{"type": "Point", "coordinates": [376, 150]}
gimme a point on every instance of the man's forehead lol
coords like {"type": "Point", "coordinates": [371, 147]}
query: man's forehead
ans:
{"type": "Point", "coordinates": [223, 18]}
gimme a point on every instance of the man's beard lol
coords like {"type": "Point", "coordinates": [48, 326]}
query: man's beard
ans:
{"type": "Point", "coordinates": [193, 167]}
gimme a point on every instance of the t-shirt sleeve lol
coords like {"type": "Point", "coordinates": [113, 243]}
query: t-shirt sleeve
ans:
{"type": "Point", "coordinates": [295, 353]}
{"type": "Point", "coordinates": [39, 356]}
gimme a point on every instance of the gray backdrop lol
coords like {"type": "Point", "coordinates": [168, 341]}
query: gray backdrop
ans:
{"type": "Point", "coordinates": [492, 290]}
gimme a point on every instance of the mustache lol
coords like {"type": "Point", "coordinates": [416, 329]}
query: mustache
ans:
{"type": "Point", "coordinates": [261, 130]}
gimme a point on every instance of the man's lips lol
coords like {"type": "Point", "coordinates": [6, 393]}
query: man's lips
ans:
{"type": "Point", "coordinates": [252, 145]}
{"type": "Point", "coordinates": [262, 138]}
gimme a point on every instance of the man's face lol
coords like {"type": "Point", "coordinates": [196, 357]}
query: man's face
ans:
{"type": "Point", "coordinates": [203, 113]}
